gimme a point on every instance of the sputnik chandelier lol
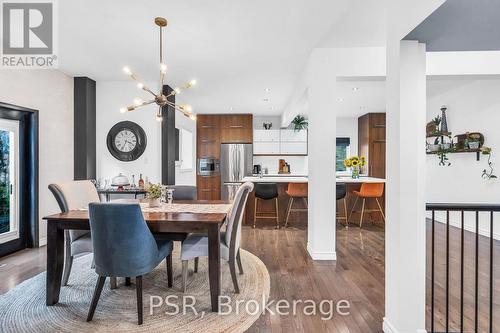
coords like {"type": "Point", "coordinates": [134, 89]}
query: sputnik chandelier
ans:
{"type": "Point", "coordinates": [160, 99]}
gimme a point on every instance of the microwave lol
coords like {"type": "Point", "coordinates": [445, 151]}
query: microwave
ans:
{"type": "Point", "coordinates": [208, 166]}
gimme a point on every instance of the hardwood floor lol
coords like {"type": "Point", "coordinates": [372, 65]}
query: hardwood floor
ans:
{"type": "Point", "coordinates": [356, 276]}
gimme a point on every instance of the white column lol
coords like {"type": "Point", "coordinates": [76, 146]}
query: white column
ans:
{"type": "Point", "coordinates": [321, 148]}
{"type": "Point", "coordinates": [405, 226]}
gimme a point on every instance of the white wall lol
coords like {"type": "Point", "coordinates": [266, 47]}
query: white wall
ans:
{"type": "Point", "coordinates": [111, 95]}
{"type": "Point", "coordinates": [298, 164]}
{"type": "Point", "coordinates": [51, 93]}
{"type": "Point", "coordinates": [347, 127]}
{"type": "Point", "coordinates": [473, 106]}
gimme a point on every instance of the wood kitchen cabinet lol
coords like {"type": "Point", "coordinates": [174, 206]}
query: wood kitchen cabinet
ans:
{"type": "Point", "coordinates": [371, 143]}
{"type": "Point", "coordinates": [208, 187]}
{"type": "Point", "coordinates": [208, 136]}
{"type": "Point", "coordinates": [236, 128]}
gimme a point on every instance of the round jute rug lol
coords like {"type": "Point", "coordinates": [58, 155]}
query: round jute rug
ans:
{"type": "Point", "coordinates": [23, 308]}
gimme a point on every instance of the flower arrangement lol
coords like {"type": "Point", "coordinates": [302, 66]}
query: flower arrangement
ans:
{"type": "Point", "coordinates": [355, 163]}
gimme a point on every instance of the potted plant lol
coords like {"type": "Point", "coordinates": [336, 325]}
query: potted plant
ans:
{"type": "Point", "coordinates": [355, 163]}
{"type": "Point", "coordinates": [488, 174]}
{"type": "Point", "coordinates": [153, 194]}
{"type": "Point", "coordinates": [473, 142]}
{"type": "Point", "coordinates": [299, 123]}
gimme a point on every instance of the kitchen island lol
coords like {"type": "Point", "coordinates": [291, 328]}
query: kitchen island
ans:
{"type": "Point", "coordinates": [282, 182]}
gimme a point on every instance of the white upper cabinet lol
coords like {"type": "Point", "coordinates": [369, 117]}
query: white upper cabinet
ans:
{"type": "Point", "coordinates": [289, 135]}
{"type": "Point", "coordinates": [266, 135]}
{"type": "Point", "coordinates": [282, 141]}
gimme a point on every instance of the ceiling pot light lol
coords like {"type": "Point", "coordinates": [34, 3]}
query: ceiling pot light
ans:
{"type": "Point", "coordinates": [159, 98]}
{"type": "Point", "coordinates": [355, 89]}
{"type": "Point", "coordinates": [267, 89]}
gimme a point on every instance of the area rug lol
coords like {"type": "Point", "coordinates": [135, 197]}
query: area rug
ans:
{"type": "Point", "coordinates": [23, 308]}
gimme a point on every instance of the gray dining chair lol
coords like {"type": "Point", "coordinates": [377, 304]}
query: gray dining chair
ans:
{"type": "Point", "coordinates": [124, 247]}
{"type": "Point", "coordinates": [73, 195]}
{"type": "Point", "coordinates": [183, 192]}
{"type": "Point", "coordinates": [196, 245]}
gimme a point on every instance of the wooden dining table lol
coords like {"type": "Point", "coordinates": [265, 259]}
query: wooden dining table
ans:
{"type": "Point", "coordinates": [158, 222]}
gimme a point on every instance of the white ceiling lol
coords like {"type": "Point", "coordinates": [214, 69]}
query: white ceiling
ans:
{"type": "Point", "coordinates": [234, 48]}
{"type": "Point", "coordinates": [359, 96]}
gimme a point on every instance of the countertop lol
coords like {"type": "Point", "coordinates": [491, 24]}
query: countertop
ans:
{"type": "Point", "coordinates": [304, 179]}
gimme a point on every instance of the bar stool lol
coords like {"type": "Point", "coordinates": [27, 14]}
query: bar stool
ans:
{"type": "Point", "coordinates": [367, 191]}
{"type": "Point", "coordinates": [341, 191]}
{"type": "Point", "coordinates": [296, 191]}
{"type": "Point", "coordinates": [266, 191]}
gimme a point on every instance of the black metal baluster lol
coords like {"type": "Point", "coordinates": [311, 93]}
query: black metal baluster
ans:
{"type": "Point", "coordinates": [491, 272]}
{"type": "Point", "coordinates": [462, 275]}
{"type": "Point", "coordinates": [476, 304]}
{"type": "Point", "coordinates": [432, 273]}
{"type": "Point", "coordinates": [447, 270]}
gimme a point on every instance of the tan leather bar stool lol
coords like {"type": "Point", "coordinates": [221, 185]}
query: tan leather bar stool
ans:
{"type": "Point", "coordinates": [296, 191]}
{"type": "Point", "coordinates": [367, 191]}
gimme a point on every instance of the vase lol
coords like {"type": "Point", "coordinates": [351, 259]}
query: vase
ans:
{"type": "Point", "coordinates": [355, 173]}
{"type": "Point", "coordinates": [153, 203]}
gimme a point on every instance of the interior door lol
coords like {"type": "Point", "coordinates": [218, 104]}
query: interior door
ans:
{"type": "Point", "coordinates": [9, 181]}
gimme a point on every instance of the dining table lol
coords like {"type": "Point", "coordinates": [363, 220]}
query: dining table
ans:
{"type": "Point", "coordinates": [188, 216]}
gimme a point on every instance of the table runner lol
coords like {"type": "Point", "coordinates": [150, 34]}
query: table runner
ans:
{"type": "Point", "coordinates": [187, 208]}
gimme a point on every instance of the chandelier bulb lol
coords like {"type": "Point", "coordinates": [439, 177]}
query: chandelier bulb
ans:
{"type": "Point", "coordinates": [188, 108]}
{"type": "Point", "coordinates": [159, 118]}
{"type": "Point", "coordinates": [177, 90]}
{"type": "Point", "coordinates": [163, 68]}
{"type": "Point", "coordinates": [127, 70]}
{"type": "Point", "coordinates": [140, 85]}
{"type": "Point", "coordinates": [192, 83]}
{"type": "Point", "coordinates": [123, 110]}
{"type": "Point", "coordinates": [137, 101]}
{"type": "Point", "coordinates": [192, 117]}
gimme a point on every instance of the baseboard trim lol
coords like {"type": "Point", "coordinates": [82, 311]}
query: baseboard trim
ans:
{"type": "Point", "coordinates": [321, 255]}
{"type": "Point", "coordinates": [387, 327]}
{"type": "Point", "coordinates": [42, 242]}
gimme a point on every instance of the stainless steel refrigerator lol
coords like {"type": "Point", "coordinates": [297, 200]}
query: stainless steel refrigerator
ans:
{"type": "Point", "coordinates": [236, 162]}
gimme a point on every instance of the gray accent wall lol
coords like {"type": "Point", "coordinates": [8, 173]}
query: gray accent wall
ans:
{"type": "Point", "coordinates": [461, 25]}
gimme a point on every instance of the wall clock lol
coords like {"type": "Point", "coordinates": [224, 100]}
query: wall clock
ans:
{"type": "Point", "coordinates": [126, 141]}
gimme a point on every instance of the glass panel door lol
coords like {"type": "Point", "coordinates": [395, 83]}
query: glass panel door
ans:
{"type": "Point", "coordinates": [9, 175]}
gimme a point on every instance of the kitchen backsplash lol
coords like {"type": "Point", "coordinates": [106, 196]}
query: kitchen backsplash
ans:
{"type": "Point", "coordinates": [298, 164]}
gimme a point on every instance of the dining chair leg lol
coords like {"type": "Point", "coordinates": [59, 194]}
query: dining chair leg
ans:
{"type": "Point", "coordinates": [232, 269]}
{"type": "Point", "coordinates": [238, 260]}
{"type": "Point", "coordinates": [352, 209]}
{"type": "Point", "coordinates": [345, 213]}
{"type": "Point", "coordinates": [138, 288]}
{"type": "Point", "coordinates": [184, 274]}
{"type": "Point", "coordinates": [168, 261]}
{"type": "Point", "coordinates": [277, 215]}
{"type": "Point", "coordinates": [127, 281]}
{"type": "Point", "coordinates": [255, 212]}
{"type": "Point", "coordinates": [196, 260]}
{"type": "Point", "coordinates": [362, 212]}
{"type": "Point", "coordinates": [95, 298]}
{"type": "Point", "coordinates": [380, 208]}
{"type": "Point", "coordinates": [112, 283]}
{"type": "Point", "coordinates": [68, 262]}
{"type": "Point", "coordinates": [290, 204]}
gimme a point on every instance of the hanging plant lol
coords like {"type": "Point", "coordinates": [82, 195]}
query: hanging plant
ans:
{"type": "Point", "coordinates": [488, 174]}
{"type": "Point", "coordinates": [299, 123]}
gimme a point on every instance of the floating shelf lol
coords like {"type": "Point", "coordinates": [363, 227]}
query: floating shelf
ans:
{"type": "Point", "coordinates": [438, 134]}
{"type": "Point", "coordinates": [455, 151]}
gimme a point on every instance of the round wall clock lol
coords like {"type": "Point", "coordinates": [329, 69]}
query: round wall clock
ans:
{"type": "Point", "coordinates": [126, 141]}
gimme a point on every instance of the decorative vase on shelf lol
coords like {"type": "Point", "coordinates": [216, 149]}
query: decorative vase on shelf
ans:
{"type": "Point", "coordinates": [355, 173]}
{"type": "Point", "coordinates": [444, 122]}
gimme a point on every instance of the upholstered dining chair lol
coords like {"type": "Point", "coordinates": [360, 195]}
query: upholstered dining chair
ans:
{"type": "Point", "coordinates": [124, 247]}
{"type": "Point", "coordinates": [183, 192]}
{"type": "Point", "coordinates": [73, 195]}
{"type": "Point", "coordinates": [195, 245]}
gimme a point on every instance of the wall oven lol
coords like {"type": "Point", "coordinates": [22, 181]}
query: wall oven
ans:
{"type": "Point", "coordinates": [208, 167]}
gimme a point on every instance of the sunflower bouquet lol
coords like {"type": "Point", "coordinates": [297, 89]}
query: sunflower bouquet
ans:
{"type": "Point", "coordinates": [355, 163]}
